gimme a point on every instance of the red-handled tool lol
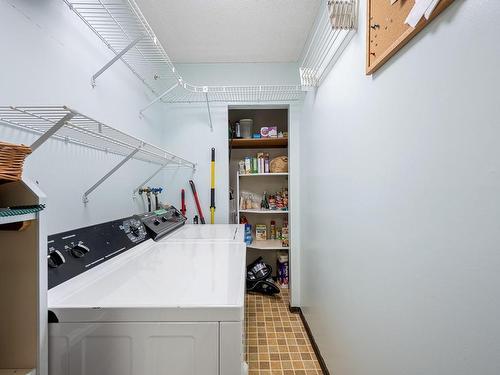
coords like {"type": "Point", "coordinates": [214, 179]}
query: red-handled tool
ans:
{"type": "Point", "coordinates": [183, 202]}
{"type": "Point", "coordinates": [197, 201]}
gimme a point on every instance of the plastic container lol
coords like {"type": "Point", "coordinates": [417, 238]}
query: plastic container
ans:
{"type": "Point", "coordinates": [246, 126]}
{"type": "Point", "coordinates": [248, 234]}
{"type": "Point", "coordinates": [282, 270]}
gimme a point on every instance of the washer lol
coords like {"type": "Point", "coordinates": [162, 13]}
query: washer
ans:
{"type": "Point", "coordinates": [123, 304]}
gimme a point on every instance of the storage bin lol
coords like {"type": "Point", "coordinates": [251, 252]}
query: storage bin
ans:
{"type": "Point", "coordinates": [279, 164]}
{"type": "Point", "coordinates": [11, 161]}
{"type": "Point", "coordinates": [246, 126]}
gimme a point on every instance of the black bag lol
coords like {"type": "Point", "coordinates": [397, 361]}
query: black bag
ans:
{"type": "Point", "coordinates": [259, 278]}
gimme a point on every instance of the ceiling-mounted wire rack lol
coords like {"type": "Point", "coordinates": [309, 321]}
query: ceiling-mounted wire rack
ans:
{"type": "Point", "coordinates": [333, 29]}
{"type": "Point", "coordinates": [69, 125]}
{"type": "Point", "coordinates": [121, 25]}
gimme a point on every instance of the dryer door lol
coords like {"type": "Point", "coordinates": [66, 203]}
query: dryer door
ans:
{"type": "Point", "coordinates": [133, 348]}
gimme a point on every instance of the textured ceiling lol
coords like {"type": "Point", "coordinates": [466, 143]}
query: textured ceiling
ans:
{"type": "Point", "coordinates": [217, 31]}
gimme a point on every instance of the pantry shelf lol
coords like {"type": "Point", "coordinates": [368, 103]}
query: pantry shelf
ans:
{"type": "Point", "coordinates": [250, 143]}
{"type": "Point", "coordinates": [123, 28]}
{"type": "Point", "coordinates": [267, 245]}
{"type": "Point", "coordinates": [264, 211]}
{"type": "Point", "coordinates": [262, 174]}
{"type": "Point", "coordinates": [17, 371]}
{"type": "Point", "coordinates": [69, 125]}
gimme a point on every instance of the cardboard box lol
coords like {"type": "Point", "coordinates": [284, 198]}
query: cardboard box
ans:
{"type": "Point", "coordinates": [269, 132]}
{"type": "Point", "coordinates": [260, 232]}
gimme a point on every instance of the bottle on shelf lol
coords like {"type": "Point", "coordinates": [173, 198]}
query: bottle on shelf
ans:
{"type": "Point", "coordinates": [266, 163]}
{"type": "Point", "coordinates": [237, 129]}
{"type": "Point", "coordinates": [284, 235]}
{"type": "Point", "coordinates": [241, 167]}
{"type": "Point", "coordinates": [260, 161]}
{"type": "Point", "coordinates": [255, 165]}
{"type": "Point", "coordinates": [265, 203]}
{"type": "Point", "coordinates": [248, 165]}
{"type": "Point", "coordinates": [272, 230]}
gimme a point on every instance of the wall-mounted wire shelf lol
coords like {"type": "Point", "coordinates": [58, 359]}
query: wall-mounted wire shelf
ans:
{"type": "Point", "coordinates": [69, 125]}
{"type": "Point", "coordinates": [121, 25]}
{"type": "Point", "coordinates": [234, 94]}
{"type": "Point", "coordinates": [333, 29]}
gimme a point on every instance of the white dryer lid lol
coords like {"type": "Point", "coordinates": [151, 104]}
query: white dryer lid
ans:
{"type": "Point", "coordinates": [213, 232]}
{"type": "Point", "coordinates": [178, 281]}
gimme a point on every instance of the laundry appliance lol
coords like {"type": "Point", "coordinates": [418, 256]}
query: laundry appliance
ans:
{"type": "Point", "coordinates": [121, 303]}
{"type": "Point", "coordinates": [213, 233]}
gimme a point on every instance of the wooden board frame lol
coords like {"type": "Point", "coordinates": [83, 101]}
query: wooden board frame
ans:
{"type": "Point", "coordinates": [395, 38]}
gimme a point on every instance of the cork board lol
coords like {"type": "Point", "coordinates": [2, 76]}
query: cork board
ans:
{"type": "Point", "coordinates": [386, 32]}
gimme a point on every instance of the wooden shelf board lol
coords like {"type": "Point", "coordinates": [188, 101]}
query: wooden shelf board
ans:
{"type": "Point", "coordinates": [262, 174]}
{"type": "Point", "coordinates": [267, 245]}
{"type": "Point", "coordinates": [17, 371]}
{"type": "Point", "coordinates": [16, 219]}
{"type": "Point", "coordinates": [263, 212]}
{"type": "Point", "coordinates": [259, 143]}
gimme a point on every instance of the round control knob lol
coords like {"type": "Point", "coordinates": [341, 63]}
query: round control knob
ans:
{"type": "Point", "coordinates": [164, 218]}
{"type": "Point", "coordinates": [156, 222]}
{"type": "Point", "coordinates": [55, 259]}
{"type": "Point", "coordinates": [79, 251]}
{"type": "Point", "coordinates": [135, 230]}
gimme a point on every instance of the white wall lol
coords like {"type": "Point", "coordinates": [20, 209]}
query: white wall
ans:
{"type": "Point", "coordinates": [400, 207]}
{"type": "Point", "coordinates": [187, 131]}
{"type": "Point", "coordinates": [48, 57]}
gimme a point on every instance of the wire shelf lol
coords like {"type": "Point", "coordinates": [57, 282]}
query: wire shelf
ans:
{"type": "Point", "coordinates": [233, 94]}
{"type": "Point", "coordinates": [334, 27]}
{"type": "Point", "coordinates": [118, 23]}
{"type": "Point", "coordinates": [85, 131]}
{"type": "Point", "coordinates": [121, 25]}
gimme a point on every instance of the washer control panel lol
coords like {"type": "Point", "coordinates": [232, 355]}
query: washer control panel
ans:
{"type": "Point", "coordinates": [76, 251]}
{"type": "Point", "coordinates": [162, 222]}
{"type": "Point", "coordinates": [135, 230]}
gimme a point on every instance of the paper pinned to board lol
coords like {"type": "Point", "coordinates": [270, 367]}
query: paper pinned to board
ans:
{"type": "Point", "coordinates": [422, 8]}
{"type": "Point", "coordinates": [430, 9]}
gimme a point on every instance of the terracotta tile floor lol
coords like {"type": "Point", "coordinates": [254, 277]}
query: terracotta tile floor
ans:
{"type": "Point", "coordinates": [276, 341]}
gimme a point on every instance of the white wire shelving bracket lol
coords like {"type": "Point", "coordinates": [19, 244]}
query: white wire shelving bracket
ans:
{"type": "Point", "coordinates": [115, 59]}
{"type": "Point", "coordinates": [66, 124]}
{"type": "Point", "coordinates": [121, 25]}
{"type": "Point", "coordinates": [334, 27]}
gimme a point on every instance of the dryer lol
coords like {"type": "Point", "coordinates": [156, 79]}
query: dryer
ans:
{"type": "Point", "coordinates": [121, 303]}
{"type": "Point", "coordinates": [208, 232]}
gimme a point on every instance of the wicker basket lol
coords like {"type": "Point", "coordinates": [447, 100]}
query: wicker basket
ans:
{"type": "Point", "coordinates": [279, 164]}
{"type": "Point", "coordinates": [11, 161]}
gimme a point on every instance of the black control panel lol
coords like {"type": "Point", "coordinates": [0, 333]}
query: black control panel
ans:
{"type": "Point", "coordinates": [76, 251]}
{"type": "Point", "coordinates": [162, 222]}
